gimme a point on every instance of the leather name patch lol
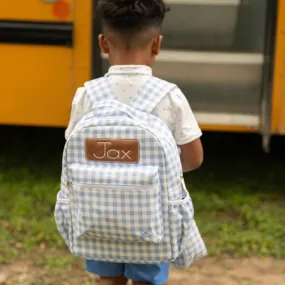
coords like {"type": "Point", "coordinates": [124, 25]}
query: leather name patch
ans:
{"type": "Point", "coordinates": [124, 151]}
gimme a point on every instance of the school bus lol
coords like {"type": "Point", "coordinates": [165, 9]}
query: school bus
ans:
{"type": "Point", "coordinates": [228, 56]}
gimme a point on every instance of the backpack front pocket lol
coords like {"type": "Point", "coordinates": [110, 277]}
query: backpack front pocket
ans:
{"type": "Point", "coordinates": [118, 203]}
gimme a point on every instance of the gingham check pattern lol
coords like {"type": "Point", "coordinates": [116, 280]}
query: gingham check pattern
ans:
{"type": "Point", "coordinates": [151, 94]}
{"type": "Point", "coordinates": [129, 216]}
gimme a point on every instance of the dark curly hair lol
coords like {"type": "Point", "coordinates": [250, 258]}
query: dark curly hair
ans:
{"type": "Point", "coordinates": [130, 16]}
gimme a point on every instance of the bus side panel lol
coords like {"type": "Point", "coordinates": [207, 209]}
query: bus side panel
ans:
{"type": "Point", "coordinates": [36, 10]}
{"type": "Point", "coordinates": [278, 103]}
{"type": "Point", "coordinates": [36, 85]}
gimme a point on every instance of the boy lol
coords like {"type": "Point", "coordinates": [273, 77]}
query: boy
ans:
{"type": "Point", "coordinates": [132, 40]}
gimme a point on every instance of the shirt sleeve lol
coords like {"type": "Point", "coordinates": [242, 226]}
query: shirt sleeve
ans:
{"type": "Point", "coordinates": [186, 128]}
{"type": "Point", "coordinates": [81, 105]}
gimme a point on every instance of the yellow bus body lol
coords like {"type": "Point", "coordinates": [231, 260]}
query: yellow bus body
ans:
{"type": "Point", "coordinates": [278, 96]}
{"type": "Point", "coordinates": [32, 10]}
{"type": "Point", "coordinates": [36, 85]}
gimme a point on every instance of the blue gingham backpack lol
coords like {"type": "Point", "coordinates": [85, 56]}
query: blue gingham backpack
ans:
{"type": "Point", "coordinates": [123, 198]}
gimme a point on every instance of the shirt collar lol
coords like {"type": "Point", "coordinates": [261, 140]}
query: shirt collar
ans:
{"type": "Point", "coordinates": [129, 70]}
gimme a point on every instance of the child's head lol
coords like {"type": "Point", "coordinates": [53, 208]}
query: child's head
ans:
{"type": "Point", "coordinates": [131, 30]}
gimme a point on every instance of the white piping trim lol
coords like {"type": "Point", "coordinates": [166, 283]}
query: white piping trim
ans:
{"type": "Point", "coordinates": [227, 119]}
{"type": "Point", "coordinates": [204, 2]}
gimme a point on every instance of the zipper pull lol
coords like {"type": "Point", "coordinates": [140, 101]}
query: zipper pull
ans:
{"type": "Point", "coordinates": [69, 184]}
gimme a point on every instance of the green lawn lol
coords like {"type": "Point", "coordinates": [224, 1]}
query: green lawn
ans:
{"type": "Point", "coordinates": [239, 195]}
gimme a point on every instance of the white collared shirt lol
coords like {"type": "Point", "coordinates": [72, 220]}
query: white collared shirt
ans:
{"type": "Point", "coordinates": [125, 81]}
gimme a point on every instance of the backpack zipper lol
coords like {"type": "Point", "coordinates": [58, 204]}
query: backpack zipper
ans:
{"type": "Point", "coordinates": [127, 187]}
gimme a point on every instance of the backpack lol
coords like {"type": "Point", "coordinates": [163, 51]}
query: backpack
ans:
{"type": "Point", "coordinates": [123, 198]}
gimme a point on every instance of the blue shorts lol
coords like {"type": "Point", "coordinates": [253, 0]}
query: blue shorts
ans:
{"type": "Point", "coordinates": [155, 274]}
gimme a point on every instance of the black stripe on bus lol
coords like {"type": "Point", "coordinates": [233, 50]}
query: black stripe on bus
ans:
{"type": "Point", "coordinates": [268, 71]}
{"type": "Point", "coordinates": [36, 33]}
{"type": "Point", "coordinates": [97, 62]}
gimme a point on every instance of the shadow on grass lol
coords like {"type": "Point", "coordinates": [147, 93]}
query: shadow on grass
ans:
{"type": "Point", "coordinates": [239, 159]}
{"type": "Point", "coordinates": [31, 148]}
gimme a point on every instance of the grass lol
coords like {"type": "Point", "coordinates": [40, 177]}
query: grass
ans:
{"type": "Point", "coordinates": [239, 196]}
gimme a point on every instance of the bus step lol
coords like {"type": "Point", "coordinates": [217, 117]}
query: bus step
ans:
{"type": "Point", "coordinates": [201, 24]}
{"type": "Point", "coordinates": [215, 82]}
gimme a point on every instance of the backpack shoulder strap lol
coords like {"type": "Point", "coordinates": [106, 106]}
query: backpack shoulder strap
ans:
{"type": "Point", "coordinates": [99, 90]}
{"type": "Point", "coordinates": [151, 94]}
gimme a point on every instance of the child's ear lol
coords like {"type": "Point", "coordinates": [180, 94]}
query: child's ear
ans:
{"type": "Point", "coordinates": [103, 44]}
{"type": "Point", "coordinates": [157, 45]}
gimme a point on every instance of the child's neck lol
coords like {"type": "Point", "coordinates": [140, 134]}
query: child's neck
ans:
{"type": "Point", "coordinates": [130, 58]}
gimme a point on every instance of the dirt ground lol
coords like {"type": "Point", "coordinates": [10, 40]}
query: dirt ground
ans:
{"type": "Point", "coordinates": [251, 271]}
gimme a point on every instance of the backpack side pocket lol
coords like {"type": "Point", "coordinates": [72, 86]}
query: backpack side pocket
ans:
{"type": "Point", "coordinates": [63, 218]}
{"type": "Point", "coordinates": [187, 243]}
{"type": "Point", "coordinates": [181, 215]}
